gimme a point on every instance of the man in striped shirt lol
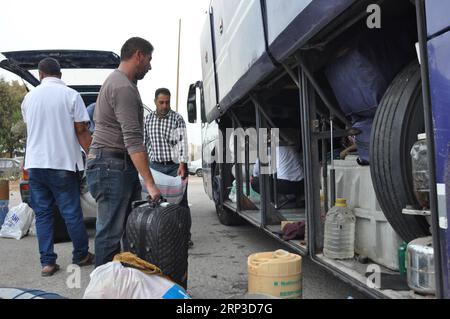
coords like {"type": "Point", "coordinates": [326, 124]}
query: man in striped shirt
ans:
{"type": "Point", "coordinates": [166, 140]}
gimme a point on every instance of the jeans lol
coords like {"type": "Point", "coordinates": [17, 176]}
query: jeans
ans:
{"type": "Point", "coordinates": [114, 183]}
{"type": "Point", "coordinates": [48, 187]}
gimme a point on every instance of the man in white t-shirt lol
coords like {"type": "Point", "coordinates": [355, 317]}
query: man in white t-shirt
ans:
{"type": "Point", "coordinates": [289, 168]}
{"type": "Point", "coordinates": [289, 172]}
{"type": "Point", "coordinates": [56, 120]}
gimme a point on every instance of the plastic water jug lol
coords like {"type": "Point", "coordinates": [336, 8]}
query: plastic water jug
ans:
{"type": "Point", "coordinates": [420, 266]}
{"type": "Point", "coordinates": [339, 240]}
{"type": "Point", "coordinates": [420, 171]}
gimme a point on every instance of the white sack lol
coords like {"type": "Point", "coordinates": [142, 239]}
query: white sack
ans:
{"type": "Point", "coordinates": [17, 222]}
{"type": "Point", "coordinates": [172, 188]}
{"type": "Point", "coordinates": [114, 281]}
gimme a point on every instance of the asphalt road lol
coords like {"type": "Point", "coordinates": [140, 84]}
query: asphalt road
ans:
{"type": "Point", "coordinates": [217, 262]}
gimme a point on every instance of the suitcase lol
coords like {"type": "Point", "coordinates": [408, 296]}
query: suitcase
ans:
{"type": "Point", "coordinates": [159, 234]}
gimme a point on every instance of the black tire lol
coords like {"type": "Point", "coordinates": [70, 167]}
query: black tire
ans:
{"type": "Point", "coordinates": [199, 172]}
{"type": "Point", "coordinates": [225, 215]}
{"type": "Point", "coordinates": [398, 120]}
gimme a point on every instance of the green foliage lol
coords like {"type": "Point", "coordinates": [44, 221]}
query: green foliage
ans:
{"type": "Point", "coordinates": [12, 128]}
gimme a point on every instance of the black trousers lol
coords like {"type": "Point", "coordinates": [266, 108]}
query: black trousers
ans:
{"type": "Point", "coordinates": [284, 187]}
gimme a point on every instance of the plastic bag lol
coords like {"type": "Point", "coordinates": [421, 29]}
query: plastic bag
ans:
{"type": "Point", "coordinates": [171, 188]}
{"type": "Point", "coordinates": [254, 196]}
{"type": "Point", "coordinates": [114, 281]}
{"type": "Point", "coordinates": [17, 222]}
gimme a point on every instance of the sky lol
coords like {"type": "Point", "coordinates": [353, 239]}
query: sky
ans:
{"type": "Point", "coordinates": [106, 25]}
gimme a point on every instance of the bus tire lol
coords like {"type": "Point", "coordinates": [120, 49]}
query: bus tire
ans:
{"type": "Point", "coordinates": [398, 121]}
{"type": "Point", "coordinates": [225, 215]}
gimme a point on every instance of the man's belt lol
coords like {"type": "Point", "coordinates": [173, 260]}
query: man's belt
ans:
{"type": "Point", "coordinates": [164, 162]}
{"type": "Point", "coordinates": [118, 154]}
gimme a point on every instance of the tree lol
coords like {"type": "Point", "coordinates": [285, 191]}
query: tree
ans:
{"type": "Point", "coordinates": [12, 132]}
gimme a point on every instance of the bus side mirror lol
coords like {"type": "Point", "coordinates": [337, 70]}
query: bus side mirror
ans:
{"type": "Point", "coordinates": [192, 104]}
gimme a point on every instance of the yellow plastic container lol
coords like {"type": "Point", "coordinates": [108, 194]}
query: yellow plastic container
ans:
{"type": "Point", "coordinates": [278, 274]}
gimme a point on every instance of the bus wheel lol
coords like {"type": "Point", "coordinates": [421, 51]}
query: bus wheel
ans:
{"type": "Point", "coordinates": [225, 215]}
{"type": "Point", "coordinates": [398, 121]}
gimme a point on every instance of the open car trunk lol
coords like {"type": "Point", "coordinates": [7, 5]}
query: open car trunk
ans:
{"type": "Point", "coordinates": [21, 62]}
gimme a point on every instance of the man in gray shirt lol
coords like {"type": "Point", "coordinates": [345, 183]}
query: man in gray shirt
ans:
{"type": "Point", "coordinates": [117, 152]}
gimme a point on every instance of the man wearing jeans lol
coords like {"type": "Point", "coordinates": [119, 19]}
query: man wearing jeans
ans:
{"type": "Point", "coordinates": [117, 152]}
{"type": "Point", "coordinates": [56, 118]}
{"type": "Point", "coordinates": [166, 141]}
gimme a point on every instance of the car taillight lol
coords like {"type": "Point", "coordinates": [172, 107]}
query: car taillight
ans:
{"type": "Point", "coordinates": [25, 187]}
{"type": "Point", "coordinates": [25, 175]}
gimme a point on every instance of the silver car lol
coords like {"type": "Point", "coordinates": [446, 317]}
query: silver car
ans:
{"type": "Point", "coordinates": [195, 168]}
{"type": "Point", "coordinates": [9, 168]}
